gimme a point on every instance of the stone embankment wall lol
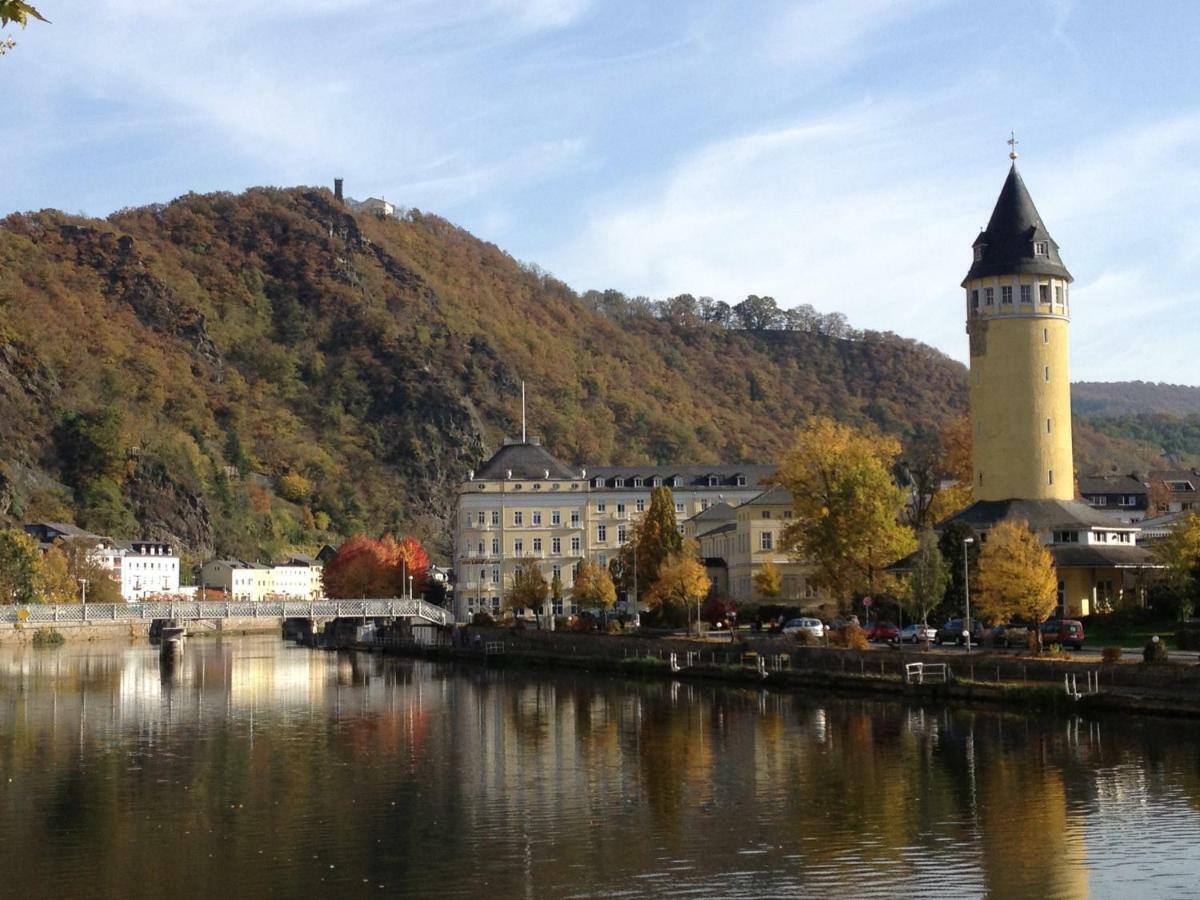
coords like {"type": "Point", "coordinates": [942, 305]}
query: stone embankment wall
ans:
{"type": "Point", "coordinates": [134, 630]}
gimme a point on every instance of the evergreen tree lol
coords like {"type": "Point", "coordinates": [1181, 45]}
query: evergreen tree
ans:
{"type": "Point", "coordinates": [925, 582]}
{"type": "Point", "coordinates": [656, 537]}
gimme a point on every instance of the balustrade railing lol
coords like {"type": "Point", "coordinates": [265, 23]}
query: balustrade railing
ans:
{"type": "Point", "coordinates": [197, 609]}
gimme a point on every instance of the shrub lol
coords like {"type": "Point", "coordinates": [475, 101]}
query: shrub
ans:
{"type": "Point", "coordinates": [47, 637]}
{"type": "Point", "coordinates": [1155, 651]}
{"type": "Point", "coordinates": [1110, 655]}
{"type": "Point", "coordinates": [851, 636]}
{"type": "Point", "coordinates": [1055, 650]}
{"type": "Point", "coordinates": [642, 664]}
{"type": "Point", "coordinates": [615, 626]}
{"type": "Point", "coordinates": [482, 618]}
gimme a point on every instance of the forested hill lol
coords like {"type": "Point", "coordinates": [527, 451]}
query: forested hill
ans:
{"type": "Point", "coordinates": [249, 373]}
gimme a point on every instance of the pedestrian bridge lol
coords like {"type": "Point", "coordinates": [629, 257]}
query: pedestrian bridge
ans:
{"type": "Point", "coordinates": [193, 610]}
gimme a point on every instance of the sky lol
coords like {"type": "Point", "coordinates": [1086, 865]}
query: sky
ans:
{"type": "Point", "coordinates": [841, 153]}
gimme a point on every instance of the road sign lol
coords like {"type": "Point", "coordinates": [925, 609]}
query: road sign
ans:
{"type": "Point", "coordinates": [867, 601]}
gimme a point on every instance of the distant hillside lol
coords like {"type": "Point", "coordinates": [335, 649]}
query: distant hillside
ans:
{"type": "Point", "coordinates": [247, 373]}
{"type": "Point", "coordinates": [1117, 398]}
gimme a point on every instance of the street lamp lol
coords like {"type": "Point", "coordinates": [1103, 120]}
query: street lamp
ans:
{"type": "Point", "coordinates": [967, 588]}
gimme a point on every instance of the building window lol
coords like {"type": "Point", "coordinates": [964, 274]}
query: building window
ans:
{"type": "Point", "coordinates": [620, 482]}
{"type": "Point", "coordinates": [575, 546]}
{"type": "Point", "coordinates": [537, 545]}
{"type": "Point", "coordinates": [1047, 426]}
{"type": "Point", "coordinates": [712, 480]}
{"type": "Point", "coordinates": [1041, 248]}
{"type": "Point", "coordinates": [479, 518]}
{"type": "Point", "coordinates": [537, 518]}
{"type": "Point", "coordinates": [1044, 293]}
{"type": "Point", "coordinates": [602, 532]}
{"type": "Point", "coordinates": [1047, 374]}
{"type": "Point", "coordinates": [1098, 500]}
{"type": "Point", "coordinates": [989, 296]}
{"type": "Point", "coordinates": [601, 507]}
{"type": "Point", "coordinates": [620, 509]}
{"type": "Point", "coordinates": [495, 574]}
{"type": "Point", "coordinates": [556, 518]}
{"type": "Point", "coordinates": [495, 546]}
{"type": "Point", "coordinates": [519, 546]}
{"type": "Point", "coordinates": [574, 520]}
{"type": "Point", "coordinates": [639, 505]}
{"type": "Point", "coordinates": [741, 481]}
{"type": "Point", "coordinates": [638, 482]}
{"type": "Point", "coordinates": [767, 540]}
{"type": "Point", "coordinates": [1026, 293]}
{"type": "Point", "coordinates": [598, 482]}
{"type": "Point", "coordinates": [1045, 335]}
{"type": "Point", "coordinates": [657, 481]}
{"type": "Point", "coordinates": [979, 252]}
{"type": "Point", "coordinates": [556, 546]}
{"type": "Point", "coordinates": [975, 299]}
{"type": "Point", "coordinates": [1006, 294]}
{"type": "Point", "coordinates": [620, 534]}
{"type": "Point", "coordinates": [981, 479]}
{"type": "Point", "coordinates": [675, 481]}
{"type": "Point", "coordinates": [1049, 476]}
{"type": "Point", "coordinates": [495, 517]}
{"type": "Point", "coordinates": [518, 518]}
{"type": "Point", "coordinates": [1058, 294]}
{"type": "Point", "coordinates": [678, 507]}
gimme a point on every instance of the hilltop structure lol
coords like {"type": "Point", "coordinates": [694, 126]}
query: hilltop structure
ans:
{"type": "Point", "coordinates": [1017, 295]}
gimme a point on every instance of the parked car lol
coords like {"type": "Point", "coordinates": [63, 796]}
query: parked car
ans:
{"type": "Point", "coordinates": [839, 624]}
{"type": "Point", "coordinates": [954, 630]}
{"type": "Point", "coordinates": [915, 632]}
{"type": "Point", "coordinates": [812, 627]}
{"type": "Point", "coordinates": [883, 631]}
{"type": "Point", "coordinates": [1011, 635]}
{"type": "Point", "coordinates": [1068, 632]}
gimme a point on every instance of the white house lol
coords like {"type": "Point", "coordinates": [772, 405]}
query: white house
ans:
{"type": "Point", "coordinates": [298, 578]}
{"type": "Point", "coordinates": [145, 568]}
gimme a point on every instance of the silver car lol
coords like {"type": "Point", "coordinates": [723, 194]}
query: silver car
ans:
{"type": "Point", "coordinates": [812, 627]}
{"type": "Point", "coordinates": [916, 632]}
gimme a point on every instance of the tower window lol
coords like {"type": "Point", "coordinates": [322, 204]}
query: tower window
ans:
{"type": "Point", "coordinates": [1045, 335]}
{"type": "Point", "coordinates": [1044, 293]}
{"type": "Point", "coordinates": [1058, 294]}
{"type": "Point", "coordinates": [1027, 293]}
{"type": "Point", "coordinates": [1049, 476]}
{"type": "Point", "coordinates": [981, 479]}
{"type": "Point", "coordinates": [1041, 248]}
{"type": "Point", "coordinates": [1047, 374]}
{"type": "Point", "coordinates": [979, 252]}
{"type": "Point", "coordinates": [1047, 426]}
{"type": "Point", "coordinates": [975, 299]}
{"type": "Point", "coordinates": [989, 296]}
{"type": "Point", "coordinates": [1006, 294]}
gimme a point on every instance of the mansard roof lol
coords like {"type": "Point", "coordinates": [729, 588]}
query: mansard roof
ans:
{"type": "Point", "coordinates": [1006, 246]}
{"type": "Point", "coordinates": [525, 460]}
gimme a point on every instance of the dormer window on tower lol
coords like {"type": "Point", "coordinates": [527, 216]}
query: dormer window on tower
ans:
{"type": "Point", "coordinates": [979, 252]}
{"type": "Point", "coordinates": [1041, 248]}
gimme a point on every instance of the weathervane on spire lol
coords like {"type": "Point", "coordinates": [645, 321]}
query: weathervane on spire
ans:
{"type": "Point", "coordinates": [1012, 145]}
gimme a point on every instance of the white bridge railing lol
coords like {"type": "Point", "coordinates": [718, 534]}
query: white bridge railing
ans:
{"type": "Point", "coordinates": [196, 609]}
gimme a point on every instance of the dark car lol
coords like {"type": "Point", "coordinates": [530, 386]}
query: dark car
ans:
{"type": "Point", "coordinates": [883, 631]}
{"type": "Point", "coordinates": [954, 630]}
{"type": "Point", "coordinates": [1011, 635]}
{"type": "Point", "coordinates": [1068, 632]}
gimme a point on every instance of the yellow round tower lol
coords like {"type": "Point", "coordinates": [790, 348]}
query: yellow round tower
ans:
{"type": "Point", "coordinates": [1018, 306]}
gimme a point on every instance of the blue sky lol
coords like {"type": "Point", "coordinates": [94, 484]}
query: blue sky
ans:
{"type": "Point", "coordinates": [842, 153]}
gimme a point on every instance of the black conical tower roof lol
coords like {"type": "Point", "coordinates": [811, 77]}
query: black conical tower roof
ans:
{"type": "Point", "coordinates": [1008, 240]}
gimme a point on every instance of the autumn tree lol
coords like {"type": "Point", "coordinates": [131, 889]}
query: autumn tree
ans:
{"type": "Point", "coordinates": [593, 586]}
{"type": "Point", "coordinates": [529, 588]}
{"type": "Point", "coordinates": [54, 582]}
{"type": "Point", "coordinates": [19, 12]}
{"type": "Point", "coordinates": [82, 564]}
{"type": "Point", "coordinates": [847, 506]}
{"type": "Point", "coordinates": [369, 567]}
{"type": "Point", "coordinates": [924, 584]}
{"type": "Point", "coordinates": [768, 581]}
{"type": "Point", "coordinates": [1016, 577]}
{"type": "Point", "coordinates": [939, 467]}
{"type": "Point", "coordinates": [1179, 553]}
{"type": "Point", "coordinates": [681, 583]}
{"type": "Point", "coordinates": [20, 561]}
{"type": "Point", "coordinates": [655, 538]}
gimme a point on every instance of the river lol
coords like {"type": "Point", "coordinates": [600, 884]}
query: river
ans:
{"type": "Point", "coordinates": [251, 768]}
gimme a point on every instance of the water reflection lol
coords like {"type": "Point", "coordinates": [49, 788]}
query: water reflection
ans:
{"type": "Point", "coordinates": [251, 768]}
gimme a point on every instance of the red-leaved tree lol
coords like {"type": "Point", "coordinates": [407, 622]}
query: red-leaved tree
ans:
{"type": "Point", "coordinates": [369, 567]}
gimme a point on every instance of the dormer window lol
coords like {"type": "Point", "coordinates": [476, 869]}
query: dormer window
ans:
{"type": "Point", "coordinates": [741, 481]}
{"type": "Point", "coordinates": [675, 481]}
{"type": "Point", "coordinates": [1041, 248]}
{"type": "Point", "coordinates": [638, 482]}
{"type": "Point", "coordinates": [712, 480]}
{"type": "Point", "coordinates": [619, 482]}
{"type": "Point", "coordinates": [657, 481]}
{"type": "Point", "coordinates": [597, 482]}
{"type": "Point", "coordinates": [979, 252]}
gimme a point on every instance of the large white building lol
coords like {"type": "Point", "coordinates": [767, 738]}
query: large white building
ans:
{"type": "Point", "coordinates": [140, 568]}
{"type": "Point", "coordinates": [523, 502]}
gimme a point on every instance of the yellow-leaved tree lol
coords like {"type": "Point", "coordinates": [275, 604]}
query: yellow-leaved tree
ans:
{"type": "Point", "coordinates": [847, 506]}
{"type": "Point", "coordinates": [1179, 552]}
{"type": "Point", "coordinates": [1016, 578]}
{"type": "Point", "coordinates": [54, 579]}
{"type": "Point", "coordinates": [593, 587]}
{"type": "Point", "coordinates": [767, 581]}
{"type": "Point", "coordinates": [681, 583]}
{"type": "Point", "coordinates": [529, 588]}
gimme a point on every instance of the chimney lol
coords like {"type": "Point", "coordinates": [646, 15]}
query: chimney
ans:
{"type": "Point", "coordinates": [337, 189]}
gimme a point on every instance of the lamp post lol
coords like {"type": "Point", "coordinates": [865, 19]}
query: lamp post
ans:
{"type": "Point", "coordinates": [967, 588]}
